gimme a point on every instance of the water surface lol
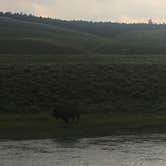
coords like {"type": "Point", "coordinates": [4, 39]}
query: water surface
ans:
{"type": "Point", "coordinates": [123, 150]}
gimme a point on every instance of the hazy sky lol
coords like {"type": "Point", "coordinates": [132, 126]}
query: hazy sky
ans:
{"type": "Point", "coordinates": [97, 10]}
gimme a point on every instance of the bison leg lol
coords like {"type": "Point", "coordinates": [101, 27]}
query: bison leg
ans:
{"type": "Point", "coordinates": [78, 117]}
{"type": "Point", "coordinates": [73, 118]}
{"type": "Point", "coordinates": [66, 120]}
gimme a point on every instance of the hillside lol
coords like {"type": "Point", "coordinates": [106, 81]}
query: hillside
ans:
{"type": "Point", "coordinates": [22, 34]}
{"type": "Point", "coordinates": [112, 92]}
{"type": "Point", "coordinates": [28, 37]}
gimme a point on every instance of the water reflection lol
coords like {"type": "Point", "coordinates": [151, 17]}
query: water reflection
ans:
{"type": "Point", "coordinates": [122, 150]}
{"type": "Point", "coordinates": [66, 142]}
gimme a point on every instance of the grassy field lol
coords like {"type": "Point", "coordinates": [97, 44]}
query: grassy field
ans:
{"type": "Point", "coordinates": [37, 126]}
{"type": "Point", "coordinates": [45, 62]}
{"type": "Point", "coordinates": [98, 59]}
{"type": "Point", "coordinates": [121, 93]}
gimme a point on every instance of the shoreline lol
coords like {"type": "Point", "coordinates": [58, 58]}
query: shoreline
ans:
{"type": "Point", "coordinates": [27, 126]}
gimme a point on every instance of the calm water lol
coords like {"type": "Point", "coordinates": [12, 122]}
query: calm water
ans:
{"type": "Point", "coordinates": [131, 150]}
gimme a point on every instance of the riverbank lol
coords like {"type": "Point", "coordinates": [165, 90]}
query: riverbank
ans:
{"type": "Point", "coordinates": [114, 93]}
{"type": "Point", "coordinates": [40, 126]}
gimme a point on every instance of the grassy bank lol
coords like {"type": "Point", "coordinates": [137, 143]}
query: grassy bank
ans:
{"type": "Point", "coordinates": [30, 126]}
{"type": "Point", "coordinates": [113, 93]}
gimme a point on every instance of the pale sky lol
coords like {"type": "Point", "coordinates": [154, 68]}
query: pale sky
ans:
{"type": "Point", "coordinates": [95, 10]}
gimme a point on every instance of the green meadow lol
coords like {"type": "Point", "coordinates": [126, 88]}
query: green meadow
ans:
{"type": "Point", "coordinates": [114, 94]}
{"type": "Point", "coordinates": [114, 73]}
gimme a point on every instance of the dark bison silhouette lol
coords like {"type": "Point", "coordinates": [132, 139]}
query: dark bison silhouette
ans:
{"type": "Point", "coordinates": [68, 113]}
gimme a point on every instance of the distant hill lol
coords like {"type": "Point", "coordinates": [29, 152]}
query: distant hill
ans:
{"type": "Point", "coordinates": [23, 34]}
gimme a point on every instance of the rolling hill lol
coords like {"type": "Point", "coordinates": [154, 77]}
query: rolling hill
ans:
{"type": "Point", "coordinates": [22, 34]}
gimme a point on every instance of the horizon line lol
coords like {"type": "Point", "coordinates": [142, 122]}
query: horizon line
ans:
{"type": "Point", "coordinates": [83, 20]}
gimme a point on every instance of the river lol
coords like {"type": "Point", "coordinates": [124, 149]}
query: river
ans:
{"type": "Point", "coordinates": [116, 150]}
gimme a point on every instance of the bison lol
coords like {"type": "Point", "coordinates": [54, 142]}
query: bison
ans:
{"type": "Point", "coordinates": [66, 113]}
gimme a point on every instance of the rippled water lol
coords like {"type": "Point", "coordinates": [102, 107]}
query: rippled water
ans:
{"type": "Point", "coordinates": [125, 150]}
